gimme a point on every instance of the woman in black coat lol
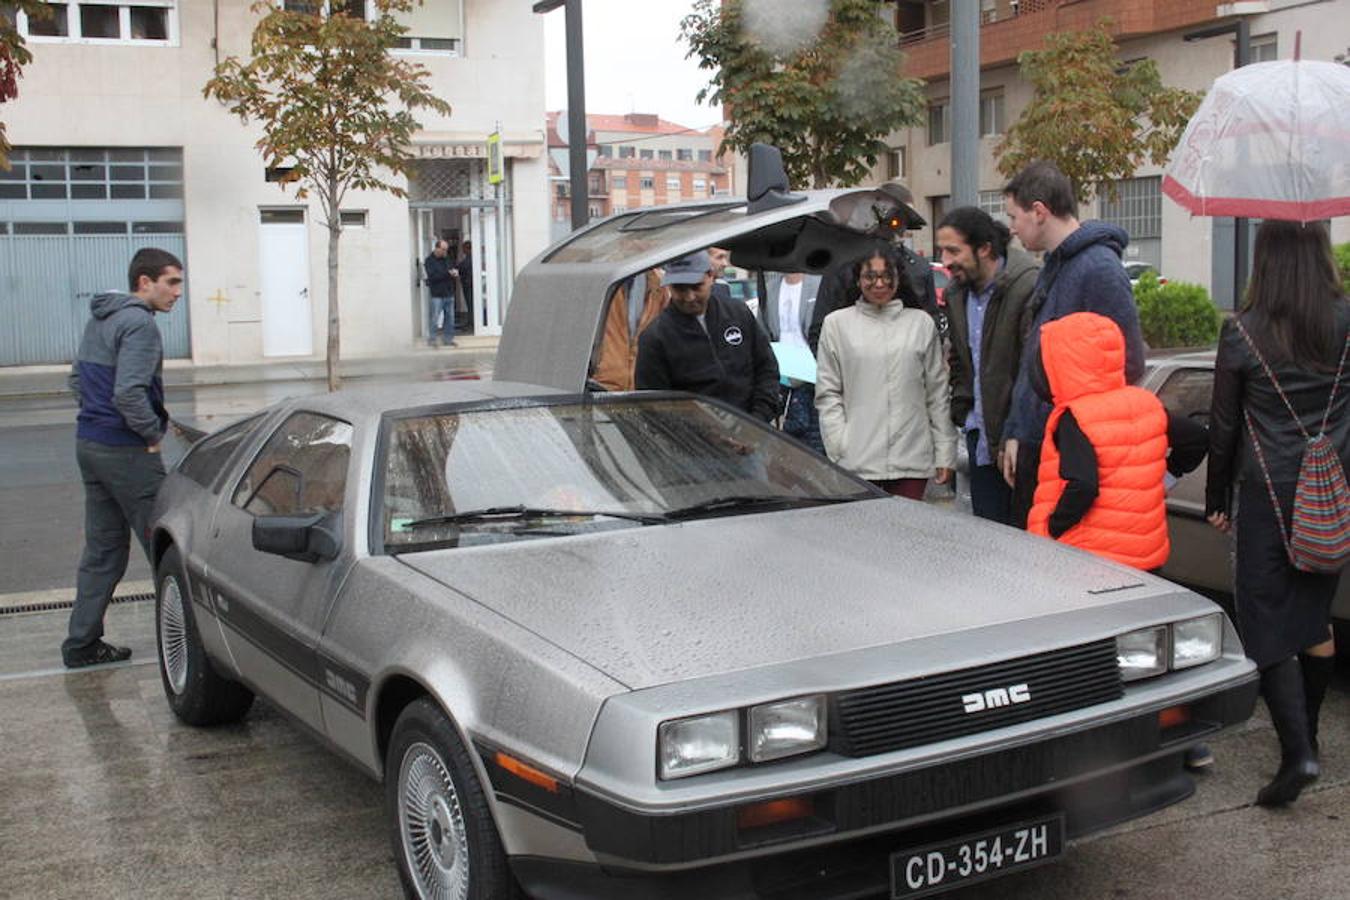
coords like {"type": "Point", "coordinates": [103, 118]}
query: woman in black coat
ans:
{"type": "Point", "coordinates": [1298, 320]}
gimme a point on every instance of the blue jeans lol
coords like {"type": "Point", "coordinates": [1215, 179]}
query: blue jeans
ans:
{"type": "Point", "coordinates": [801, 420]}
{"type": "Point", "coordinates": [990, 496]}
{"type": "Point", "coordinates": [443, 309]}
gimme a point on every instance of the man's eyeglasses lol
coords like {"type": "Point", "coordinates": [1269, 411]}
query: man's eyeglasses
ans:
{"type": "Point", "coordinates": [870, 277]}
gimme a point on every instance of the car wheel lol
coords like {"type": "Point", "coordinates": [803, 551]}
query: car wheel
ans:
{"type": "Point", "coordinates": [445, 841]}
{"type": "Point", "coordinates": [197, 693]}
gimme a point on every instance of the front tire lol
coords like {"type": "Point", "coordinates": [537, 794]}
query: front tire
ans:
{"type": "Point", "coordinates": [445, 840]}
{"type": "Point", "coordinates": [197, 694]}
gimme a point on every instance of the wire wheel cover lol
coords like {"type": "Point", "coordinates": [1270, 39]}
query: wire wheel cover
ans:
{"type": "Point", "coordinates": [435, 841]}
{"type": "Point", "coordinates": [173, 636]}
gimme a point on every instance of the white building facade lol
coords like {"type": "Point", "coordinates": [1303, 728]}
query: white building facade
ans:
{"type": "Point", "coordinates": [116, 149]}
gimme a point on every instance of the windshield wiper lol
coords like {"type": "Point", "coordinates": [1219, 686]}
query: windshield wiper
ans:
{"type": "Point", "coordinates": [748, 501]}
{"type": "Point", "coordinates": [525, 513]}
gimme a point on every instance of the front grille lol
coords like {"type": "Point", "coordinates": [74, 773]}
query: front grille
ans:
{"type": "Point", "coordinates": [904, 714]}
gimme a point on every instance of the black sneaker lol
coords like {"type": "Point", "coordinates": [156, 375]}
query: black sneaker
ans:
{"type": "Point", "coordinates": [97, 654]}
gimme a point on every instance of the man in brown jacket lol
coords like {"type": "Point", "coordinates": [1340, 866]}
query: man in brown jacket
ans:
{"type": "Point", "coordinates": [628, 315]}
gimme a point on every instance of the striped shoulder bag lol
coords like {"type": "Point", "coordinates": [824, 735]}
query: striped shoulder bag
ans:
{"type": "Point", "coordinates": [1318, 536]}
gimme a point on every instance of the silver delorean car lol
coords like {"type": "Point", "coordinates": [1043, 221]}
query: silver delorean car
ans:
{"type": "Point", "coordinates": [642, 646]}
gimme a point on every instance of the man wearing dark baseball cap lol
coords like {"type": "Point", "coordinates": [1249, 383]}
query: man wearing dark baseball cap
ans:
{"type": "Point", "coordinates": [707, 345]}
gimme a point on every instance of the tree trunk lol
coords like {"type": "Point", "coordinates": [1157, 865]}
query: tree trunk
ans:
{"type": "Point", "coordinates": [334, 327]}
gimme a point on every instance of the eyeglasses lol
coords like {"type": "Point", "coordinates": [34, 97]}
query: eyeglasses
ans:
{"type": "Point", "coordinates": [870, 277]}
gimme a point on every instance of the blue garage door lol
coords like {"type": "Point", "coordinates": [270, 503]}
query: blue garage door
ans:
{"type": "Point", "coordinates": [70, 221]}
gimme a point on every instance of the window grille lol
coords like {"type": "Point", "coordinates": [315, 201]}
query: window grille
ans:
{"type": "Point", "coordinates": [93, 173]}
{"type": "Point", "coordinates": [1136, 206]}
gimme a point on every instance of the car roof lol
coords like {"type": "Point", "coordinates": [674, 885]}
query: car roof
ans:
{"type": "Point", "coordinates": [560, 296]}
{"type": "Point", "coordinates": [373, 401]}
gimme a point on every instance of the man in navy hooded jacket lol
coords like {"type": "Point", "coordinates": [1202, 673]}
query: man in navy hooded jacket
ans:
{"type": "Point", "coordinates": [1081, 272]}
{"type": "Point", "coordinates": [117, 378]}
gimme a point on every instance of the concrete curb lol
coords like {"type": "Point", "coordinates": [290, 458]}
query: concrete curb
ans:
{"type": "Point", "coordinates": [67, 595]}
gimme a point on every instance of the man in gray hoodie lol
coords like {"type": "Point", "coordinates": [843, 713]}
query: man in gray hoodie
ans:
{"type": "Point", "coordinates": [117, 378]}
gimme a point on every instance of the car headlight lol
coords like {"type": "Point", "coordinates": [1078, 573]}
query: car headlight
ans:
{"type": "Point", "coordinates": [1142, 653]}
{"type": "Point", "coordinates": [786, 728]}
{"type": "Point", "coordinates": [699, 744]}
{"type": "Point", "coordinates": [1197, 641]}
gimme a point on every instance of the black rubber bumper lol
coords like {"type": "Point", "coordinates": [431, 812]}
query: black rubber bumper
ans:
{"type": "Point", "coordinates": [675, 856]}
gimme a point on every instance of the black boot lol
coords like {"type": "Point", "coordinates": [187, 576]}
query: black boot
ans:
{"type": "Point", "coordinates": [1282, 687]}
{"type": "Point", "coordinates": [1317, 672]}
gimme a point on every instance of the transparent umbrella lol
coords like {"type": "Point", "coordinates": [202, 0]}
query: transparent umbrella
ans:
{"type": "Point", "coordinates": [1270, 141]}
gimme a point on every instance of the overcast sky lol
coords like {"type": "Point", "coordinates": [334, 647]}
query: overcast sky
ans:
{"type": "Point", "coordinates": [634, 61]}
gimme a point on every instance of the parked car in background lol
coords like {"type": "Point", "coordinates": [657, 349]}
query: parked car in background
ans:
{"type": "Point", "coordinates": [1135, 270]}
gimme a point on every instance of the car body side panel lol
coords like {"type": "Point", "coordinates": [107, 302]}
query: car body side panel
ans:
{"type": "Point", "coordinates": [183, 511]}
{"type": "Point", "coordinates": [496, 679]}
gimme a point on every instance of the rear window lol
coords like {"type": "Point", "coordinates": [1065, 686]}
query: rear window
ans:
{"type": "Point", "coordinates": [639, 233]}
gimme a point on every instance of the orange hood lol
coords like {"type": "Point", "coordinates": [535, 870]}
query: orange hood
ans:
{"type": "Point", "coordinates": [1082, 353]}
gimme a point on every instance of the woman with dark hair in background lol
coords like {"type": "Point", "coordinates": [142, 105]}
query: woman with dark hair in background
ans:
{"type": "Point", "coordinates": [881, 386]}
{"type": "Point", "coordinates": [1275, 383]}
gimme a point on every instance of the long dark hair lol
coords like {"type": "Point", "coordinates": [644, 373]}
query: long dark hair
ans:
{"type": "Point", "coordinates": [893, 261]}
{"type": "Point", "coordinates": [1292, 293]}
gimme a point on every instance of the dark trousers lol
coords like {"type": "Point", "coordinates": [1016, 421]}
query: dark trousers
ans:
{"type": "Point", "coordinates": [990, 496]}
{"type": "Point", "coordinates": [909, 488]}
{"type": "Point", "coordinates": [1024, 483]}
{"type": "Point", "coordinates": [120, 484]}
{"type": "Point", "coordinates": [801, 420]}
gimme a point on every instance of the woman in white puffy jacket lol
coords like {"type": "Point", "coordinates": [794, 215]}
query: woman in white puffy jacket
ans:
{"type": "Point", "coordinates": [881, 387]}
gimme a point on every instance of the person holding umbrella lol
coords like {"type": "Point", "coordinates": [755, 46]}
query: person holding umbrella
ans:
{"type": "Point", "coordinates": [1276, 381]}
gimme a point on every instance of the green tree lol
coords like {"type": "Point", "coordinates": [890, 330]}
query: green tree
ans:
{"type": "Point", "coordinates": [14, 55]}
{"type": "Point", "coordinates": [335, 107]}
{"type": "Point", "coordinates": [1094, 118]}
{"type": "Point", "coordinates": [826, 102]}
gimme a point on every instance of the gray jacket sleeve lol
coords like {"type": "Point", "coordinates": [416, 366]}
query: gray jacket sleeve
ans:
{"type": "Point", "coordinates": [139, 352]}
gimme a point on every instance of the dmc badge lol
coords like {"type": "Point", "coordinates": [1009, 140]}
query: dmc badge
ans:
{"type": "Point", "coordinates": [733, 336]}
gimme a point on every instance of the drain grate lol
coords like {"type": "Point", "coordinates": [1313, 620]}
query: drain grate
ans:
{"type": "Point", "coordinates": [51, 605]}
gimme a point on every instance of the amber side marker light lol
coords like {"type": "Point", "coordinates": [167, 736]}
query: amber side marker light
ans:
{"type": "Point", "coordinates": [527, 772]}
{"type": "Point", "coordinates": [774, 812]}
{"type": "Point", "coordinates": [1174, 716]}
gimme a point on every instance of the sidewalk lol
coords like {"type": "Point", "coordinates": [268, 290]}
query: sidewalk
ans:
{"type": "Point", "coordinates": [471, 352]}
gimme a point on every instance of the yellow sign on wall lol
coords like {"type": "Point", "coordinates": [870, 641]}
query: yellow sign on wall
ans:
{"type": "Point", "coordinates": [494, 157]}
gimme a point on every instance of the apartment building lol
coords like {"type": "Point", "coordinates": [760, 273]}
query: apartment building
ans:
{"type": "Point", "coordinates": [116, 149]}
{"type": "Point", "coordinates": [638, 160]}
{"type": "Point", "coordinates": [1198, 250]}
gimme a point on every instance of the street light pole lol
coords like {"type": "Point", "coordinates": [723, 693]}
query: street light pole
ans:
{"type": "Point", "coordinates": [576, 108]}
{"type": "Point", "coordinates": [965, 136]}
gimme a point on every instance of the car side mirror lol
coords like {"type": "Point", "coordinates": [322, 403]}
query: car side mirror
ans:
{"type": "Point", "coordinates": [304, 538]}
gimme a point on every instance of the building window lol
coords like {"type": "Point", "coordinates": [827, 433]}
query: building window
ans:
{"type": "Point", "coordinates": [81, 173]}
{"type": "Point", "coordinates": [627, 152]}
{"type": "Point", "coordinates": [684, 154]}
{"type": "Point", "coordinates": [895, 162]}
{"type": "Point", "coordinates": [620, 209]}
{"type": "Point", "coordinates": [700, 185]}
{"type": "Point", "coordinates": [644, 154]}
{"type": "Point", "coordinates": [103, 21]}
{"type": "Point", "coordinates": [1264, 48]}
{"type": "Point", "coordinates": [937, 123]}
{"type": "Point", "coordinates": [597, 184]}
{"type": "Point", "coordinates": [992, 203]}
{"type": "Point", "coordinates": [620, 182]}
{"type": "Point", "coordinates": [595, 211]}
{"type": "Point", "coordinates": [604, 150]}
{"type": "Point", "coordinates": [646, 184]}
{"type": "Point", "coordinates": [673, 184]}
{"type": "Point", "coordinates": [705, 156]}
{"type": "Point", "coordinates": [1136, 207]}
{"type": "Point", "coordinates": [991, 113]}
{"type": "Point", "coordinates": [353, 218]}
{"type": "Point", "coordinates": [664, 154]}
{"type": "Point", "coordinates": [988, 11]}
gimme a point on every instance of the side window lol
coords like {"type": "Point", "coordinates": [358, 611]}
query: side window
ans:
{"type": "Point", "coordinates": [301, 469]}
{"type": "Point", "coordinates": [208, 456]}
{"type": "Point", "coordinates": [1187, 393]}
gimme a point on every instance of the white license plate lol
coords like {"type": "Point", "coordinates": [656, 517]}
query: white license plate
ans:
{"type": "Point", "coordinates": [958, 862]}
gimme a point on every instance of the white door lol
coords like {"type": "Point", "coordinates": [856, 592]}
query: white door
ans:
{"type": "Point", "coordinates": [283, 264]}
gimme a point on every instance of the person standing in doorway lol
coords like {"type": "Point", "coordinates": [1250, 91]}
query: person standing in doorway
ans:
{"type": "Point", "coordinates": [1081, 272]}
{"type": "Point", "coordinates": [117, 379]}
{"type": "Point", "coordinates": [464, 276]}
{"type": "Point", "coordinates": [441, 286]}
{"type": "Point", "coordinates": [989, 309]}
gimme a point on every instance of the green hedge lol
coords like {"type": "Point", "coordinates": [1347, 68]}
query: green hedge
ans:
{"type": "Point", "coordinates": [1343, 263]}
{"type": "Point", "coordinates": [1175, 314]}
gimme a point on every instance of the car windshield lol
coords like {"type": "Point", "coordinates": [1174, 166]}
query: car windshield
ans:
{"type": "Point", "coordinates": [492, 475]}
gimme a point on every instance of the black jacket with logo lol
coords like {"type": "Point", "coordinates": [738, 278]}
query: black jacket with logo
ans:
{"type": "Point", "coordinates": [731, 361]}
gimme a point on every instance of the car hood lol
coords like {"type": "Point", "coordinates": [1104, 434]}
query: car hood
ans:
{"type": "Point", "coordinates": [651, 605]}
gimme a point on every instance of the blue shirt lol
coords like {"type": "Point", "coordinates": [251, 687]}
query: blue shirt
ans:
{"type": "Point", "coordinates": [977, 304]}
